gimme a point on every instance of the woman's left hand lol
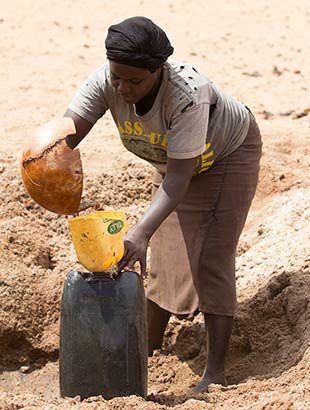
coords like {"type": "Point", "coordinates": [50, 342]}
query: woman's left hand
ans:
{"type": "Point", "coordinates": [135, 243]}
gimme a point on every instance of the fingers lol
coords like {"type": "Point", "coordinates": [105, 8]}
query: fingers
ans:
{"type": "Point", "coordinates": [143, 268]}
{"type": "Point", "coordinates": [122, 265]}
{"type": "Point", "coordinates": [124, 261]}
{"type": "Point", "coordinates": [133, 254]}
{"type": "Point", "coordinates": [128, 264]}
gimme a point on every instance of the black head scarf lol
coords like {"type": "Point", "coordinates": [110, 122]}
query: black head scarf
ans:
{"type": "Point", "coordinates": [138, 42]}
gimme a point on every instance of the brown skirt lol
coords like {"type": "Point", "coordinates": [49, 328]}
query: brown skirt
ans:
{"type": "Point", "coordinates": [192, 265]}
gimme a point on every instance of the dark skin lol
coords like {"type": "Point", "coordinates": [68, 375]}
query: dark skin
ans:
{"type": "Point", "coordinates": [139, 86]}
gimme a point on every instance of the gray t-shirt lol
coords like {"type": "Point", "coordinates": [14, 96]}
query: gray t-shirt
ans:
{"type": "Point", "coordinates": [190, 117]}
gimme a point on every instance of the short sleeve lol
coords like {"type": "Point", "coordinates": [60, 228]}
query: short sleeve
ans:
{"type": "Point", "coordinates": [188, 130]}
{"type": "Point", "coordinates": [90, 102]}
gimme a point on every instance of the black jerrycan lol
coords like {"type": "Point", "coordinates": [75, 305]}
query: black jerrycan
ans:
{"type": "Point", "coordinates": [103, 336]}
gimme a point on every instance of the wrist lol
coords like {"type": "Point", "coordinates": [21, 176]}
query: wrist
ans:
{"type": "Point", "coordinates": [142, 231]}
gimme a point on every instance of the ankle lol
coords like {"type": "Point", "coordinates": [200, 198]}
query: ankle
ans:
{"type": "Point", "coordinates": [214, 373]}
{"type": "Point", "coordinates": [207, 379]}
{"type": "Point", "coordinates": [215, 365]}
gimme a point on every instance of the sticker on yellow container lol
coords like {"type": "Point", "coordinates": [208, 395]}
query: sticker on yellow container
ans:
{"type": "Point", "coordinates": [98, 239]}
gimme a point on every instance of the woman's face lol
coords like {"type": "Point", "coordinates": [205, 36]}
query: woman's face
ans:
{"type": "Point", "coordinates": [133, 83]}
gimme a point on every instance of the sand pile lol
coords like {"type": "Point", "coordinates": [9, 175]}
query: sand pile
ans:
{"type": "Point", "coordinates": [255, 51]}
{"type": "Point", "coordinates": [270, 343]}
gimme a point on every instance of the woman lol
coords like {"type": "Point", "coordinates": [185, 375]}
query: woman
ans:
{"type": "Point", "coordinates": [205, 147]}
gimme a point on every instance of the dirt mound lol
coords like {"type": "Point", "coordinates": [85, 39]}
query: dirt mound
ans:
{"type": "Point", "coordinates": [36, 253]}
{"type": "Point", "coordinates": [271, 330]}
{"type": "Point", "coordinates": [269, 345]}
{"type": "Point", "coordinates": [256, 51]}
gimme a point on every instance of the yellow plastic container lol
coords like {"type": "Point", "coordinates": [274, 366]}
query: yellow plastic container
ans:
{"type": "Point", "coordinates": [98, 239]}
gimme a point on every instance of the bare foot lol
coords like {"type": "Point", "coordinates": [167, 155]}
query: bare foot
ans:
{"type": "Point", "coordinates": [202, 386]}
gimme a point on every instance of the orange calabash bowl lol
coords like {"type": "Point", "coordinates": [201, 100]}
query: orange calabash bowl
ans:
{"type": "Point", "coordinates": [52, 172]}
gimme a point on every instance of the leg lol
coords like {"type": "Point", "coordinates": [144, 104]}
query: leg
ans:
{"type": "Point", "coordinates": [157, 320]}
{"type": "Point", "coordinates": [217, 263]}
{"type": "Point", "coordinates": [219, 330]}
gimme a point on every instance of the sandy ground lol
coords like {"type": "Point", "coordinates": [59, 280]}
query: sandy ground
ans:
{"type": "Point", "coordinates": [257, 51]}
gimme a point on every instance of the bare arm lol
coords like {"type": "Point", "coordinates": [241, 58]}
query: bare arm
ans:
{"type": "Point", "coordinates": [169, 194]}
{"type": "Point", "coordinates": [82, 129]}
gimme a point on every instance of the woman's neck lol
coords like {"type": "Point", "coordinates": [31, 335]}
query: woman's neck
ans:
{"type": "Point", "coordinates": [143, 106]}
